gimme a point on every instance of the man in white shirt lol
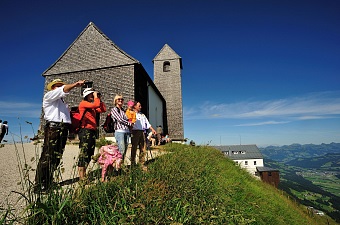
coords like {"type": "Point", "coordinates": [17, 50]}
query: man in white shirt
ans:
{"type": "Point", "coordinates": [138, 135]}
{"type": "Point", "coordinates": [58, 120]}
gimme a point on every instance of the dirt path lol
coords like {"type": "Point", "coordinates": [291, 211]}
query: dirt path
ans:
{"type": "Point", "coordinates": [12, 168]}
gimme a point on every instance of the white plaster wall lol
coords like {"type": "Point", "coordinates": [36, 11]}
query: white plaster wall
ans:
{"type": "Point", "coordinates": [155, 108]}
{"type": "Point", "coordinates": [251, 168]}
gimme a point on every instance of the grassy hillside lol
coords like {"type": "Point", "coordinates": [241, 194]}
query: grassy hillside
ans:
{"type": "Point", "coordinates": [309, 173]}
{"type": "Point", "coordinates": [190, 185]}
{"type": "Point", "coordinates": [305, 186]}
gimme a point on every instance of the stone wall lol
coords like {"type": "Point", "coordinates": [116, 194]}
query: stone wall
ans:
{"type": "Point", "coordinates": [170, 85]}
{"type": "Point", "coordinates": [108, 81]}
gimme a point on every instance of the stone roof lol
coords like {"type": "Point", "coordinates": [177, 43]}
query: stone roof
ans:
{"type": "Point", "coordinates": [240, 152]}
{"type": "Point", "coordinates": [266, 169]}
{"type": "Point", "coordinates": [167, 53]}
{"type": "Point", "coordinates": [91, 50]}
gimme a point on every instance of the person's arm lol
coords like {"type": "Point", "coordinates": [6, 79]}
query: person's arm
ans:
{"type": "Point", "coordinates": [69, 87]}
{"type": "Point", "coordinates": [91, 105]}
{"type": "Point", "coordinates": [153, 130]}
{"type": "Point", "coordinates": [102, 108]}
{"type": "Point", "coordinates": [118, 116]}
{"type": "Point", "coordinates": [148, 125]}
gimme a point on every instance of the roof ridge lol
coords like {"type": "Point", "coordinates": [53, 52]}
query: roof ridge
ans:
{"type": "Point", "coordinates": [164, 46]}
{"type": "Point", "coordinates": [104, 35]}
{"type": "Point", "coordinates": [91, 24]}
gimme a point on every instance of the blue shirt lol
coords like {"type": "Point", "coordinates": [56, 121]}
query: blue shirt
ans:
{"type": "Point", "coordinates": [142, 123]}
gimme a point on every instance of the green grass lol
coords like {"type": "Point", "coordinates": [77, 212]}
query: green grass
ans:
{"type": "Point", "coordinates": [329, 183]}
{"type": "Point", "coordinates": [190, 185]}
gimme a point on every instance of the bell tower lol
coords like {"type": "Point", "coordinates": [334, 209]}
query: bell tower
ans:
{"type": "Point", "coordinates": [168, 80]}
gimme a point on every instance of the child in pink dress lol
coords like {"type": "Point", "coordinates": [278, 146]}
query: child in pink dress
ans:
{"type": "Point", "coordinates": [109, 156]}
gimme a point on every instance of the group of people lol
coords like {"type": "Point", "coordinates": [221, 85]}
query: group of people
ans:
{"type": "Point", "coordinates": [159, 137]}
{"type": "Point", "coordinates": [3, 129]}
{"type": "Point", "coordinates": [128, 123]}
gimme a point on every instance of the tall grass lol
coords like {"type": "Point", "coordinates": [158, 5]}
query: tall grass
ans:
{"type": "Point", "coordinates": [189, 185]}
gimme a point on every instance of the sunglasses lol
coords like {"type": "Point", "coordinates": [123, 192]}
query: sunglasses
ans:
{"type": "Point", "coordinates": [120, 99]}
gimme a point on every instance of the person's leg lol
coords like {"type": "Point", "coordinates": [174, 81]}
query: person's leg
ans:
{"type": "Point", "coordinates": [82, 158]}
{"type": "Point", "coordinates": [134, 144]}
{"type": "Point", "coordinates": [104, 169]}
{"type": "Point", "coordinates": [42, 171]}
{"type": "Point", "coordinates": [91, 146]}
{"type": "Point", "coordinates": [126, 143]}
{"type": "Point", "coordinates": [62, 133]}
{"type": "Point", "coordinates": [2, 136]}
{"type": "Point", "coordinates": [159, 139]}
{"type": "Point", "coordinates": [142, 148]}
{"type": "Point", "coordinates": [120, 139]}
{"type": "Point", "coordinates": [118, 164]}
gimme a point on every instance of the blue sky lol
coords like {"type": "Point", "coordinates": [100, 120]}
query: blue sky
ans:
{"type": "Point", "coordinates": [254, 72]}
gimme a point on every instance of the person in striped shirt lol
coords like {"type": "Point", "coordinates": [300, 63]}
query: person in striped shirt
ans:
{"type": "Point", "coordinates": [122, 124]}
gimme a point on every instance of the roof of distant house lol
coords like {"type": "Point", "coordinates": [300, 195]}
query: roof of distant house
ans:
{"type": "Point", "coordinates": [239, 152]}
{"type": "Point", "coordinates": [266, 169]}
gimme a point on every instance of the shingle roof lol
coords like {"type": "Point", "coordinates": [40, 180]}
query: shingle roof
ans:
{"type": "Point", "coordinates": [167, 53]}
{"type": "Point", "coordinates": [92, 49]}
{"type": "Point", "coordinates": [237, 152]}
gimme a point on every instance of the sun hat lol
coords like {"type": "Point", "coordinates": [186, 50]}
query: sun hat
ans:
{"type": "Point", "coordinates": [87, 91]}
{"type": "Point", "coordinates": [53, 82]}
{"type": "Point", "coordinates": [131, 103]}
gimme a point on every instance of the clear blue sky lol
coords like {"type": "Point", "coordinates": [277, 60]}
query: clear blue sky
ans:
{"type": "Point", "coordinates": [255, 72]}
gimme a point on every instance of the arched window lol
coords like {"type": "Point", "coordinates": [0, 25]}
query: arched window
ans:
{"type": "Point", "coordinates": [166, 66]}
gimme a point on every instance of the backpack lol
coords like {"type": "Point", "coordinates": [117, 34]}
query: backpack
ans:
{"type": "Point", "coordinates": [76, 119]}
{"type": "Point", "coordinates": [109, 124]}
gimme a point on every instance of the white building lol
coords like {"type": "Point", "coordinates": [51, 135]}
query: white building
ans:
{"type": "Point", "coordinates": [248, 157]}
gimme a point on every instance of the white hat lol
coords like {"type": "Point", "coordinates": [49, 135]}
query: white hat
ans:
{"type": "Point", "coordinates": [87, 91]}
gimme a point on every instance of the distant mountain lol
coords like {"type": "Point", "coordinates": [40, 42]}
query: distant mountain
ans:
{"type": "Point", "coordinates": [330, 162]}
{"type": "Point", "coordinates": [293, 152]}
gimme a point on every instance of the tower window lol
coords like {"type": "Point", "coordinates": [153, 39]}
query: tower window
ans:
{"type": "Point", "coordinates": [166, 66]}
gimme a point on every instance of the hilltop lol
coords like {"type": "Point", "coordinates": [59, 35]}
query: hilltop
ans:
{"type": "Point", "coordinates": [189, 185]}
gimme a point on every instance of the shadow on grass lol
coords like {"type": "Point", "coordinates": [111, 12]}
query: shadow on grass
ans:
{"type": "Point", "coordinates": [69, 181]}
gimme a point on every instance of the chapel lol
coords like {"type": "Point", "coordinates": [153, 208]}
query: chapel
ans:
{"type": "Point", "coordinates": [107, 68]}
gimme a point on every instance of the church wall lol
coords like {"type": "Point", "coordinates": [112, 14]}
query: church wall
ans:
{"type": "Point", "coordinates": [108, 81]}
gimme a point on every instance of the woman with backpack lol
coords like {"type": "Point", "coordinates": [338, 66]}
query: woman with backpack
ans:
{"type": "Point", "coordinates": [122, 125]}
